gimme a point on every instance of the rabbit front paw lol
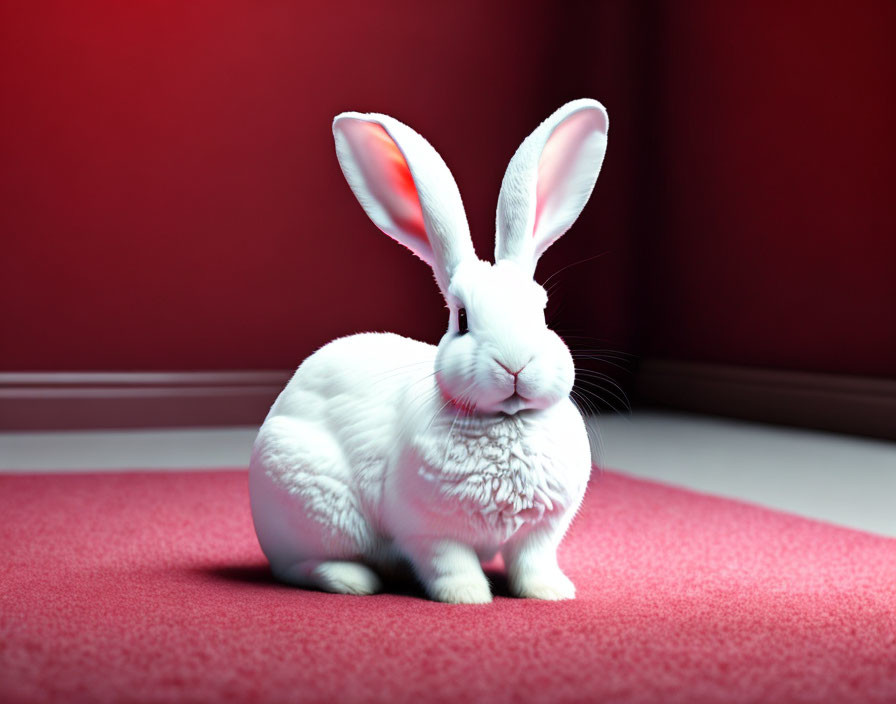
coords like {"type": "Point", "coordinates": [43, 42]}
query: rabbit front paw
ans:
{"type": "Point", "coordinates": [551, 585]}
{"type": "Point", "coordinates": [461, 589]}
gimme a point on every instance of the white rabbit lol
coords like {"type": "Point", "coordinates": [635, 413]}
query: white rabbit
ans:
{"type": "Point", "coordinates": [383, 450]}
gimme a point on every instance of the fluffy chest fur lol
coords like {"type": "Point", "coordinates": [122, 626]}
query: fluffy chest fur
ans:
{"type": "Point", "coordinates": [495, 474]}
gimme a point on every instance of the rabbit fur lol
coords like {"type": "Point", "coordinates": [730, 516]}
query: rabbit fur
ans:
{"type": "Point", "coordinates": [383, 451]}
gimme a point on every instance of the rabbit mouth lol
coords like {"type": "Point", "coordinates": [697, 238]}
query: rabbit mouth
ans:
{"type": "Point", "coordinates": [515, 402]}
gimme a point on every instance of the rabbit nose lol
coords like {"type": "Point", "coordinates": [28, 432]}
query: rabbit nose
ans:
{"type": "Point", "coordinates": [514, 374]}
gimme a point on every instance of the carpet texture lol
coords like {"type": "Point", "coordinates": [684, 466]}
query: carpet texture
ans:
{"type": "Point", "coordinates": [151, 587]}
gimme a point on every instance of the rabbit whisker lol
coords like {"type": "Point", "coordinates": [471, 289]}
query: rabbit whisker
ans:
{"type": "Point", "coordinates": [569, 266]}
{"type": "Point", "coordinates": [589, 413]}
{"type": "Point", "coordinates": [598, 391]}
{"type": "Point", "coordinates": [591, 374]}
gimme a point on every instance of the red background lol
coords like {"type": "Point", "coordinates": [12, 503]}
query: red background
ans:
{"type": "Point", "coordinates": [170, 197]}
{"type": "Point", "coordinates": [775, 238]}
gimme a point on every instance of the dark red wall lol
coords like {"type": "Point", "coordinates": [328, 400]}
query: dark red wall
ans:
{"type": "Point", "coordinates": [774, 240]}
{"type": "Point", "coordinates": [170, 199]}
{"type": "Point", "coordinates": [170, 196]}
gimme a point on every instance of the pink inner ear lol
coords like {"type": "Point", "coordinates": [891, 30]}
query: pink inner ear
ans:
{"type": "Point", "coordinates": [390, 181]}
{"type": "Point", "coordinates": [558, 161]}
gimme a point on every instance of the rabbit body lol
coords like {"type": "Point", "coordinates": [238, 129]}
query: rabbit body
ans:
{"type": "Point", "coordinates": [384, 451]}
{"type": "Point", "coordinates": [366, 464]}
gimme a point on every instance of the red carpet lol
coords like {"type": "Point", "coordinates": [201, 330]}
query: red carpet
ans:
{"type": "Point", "coordinates": [151, 587]}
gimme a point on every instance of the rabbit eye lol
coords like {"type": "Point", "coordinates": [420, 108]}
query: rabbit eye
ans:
{"type": "Point", "coordinates": [462, 328]}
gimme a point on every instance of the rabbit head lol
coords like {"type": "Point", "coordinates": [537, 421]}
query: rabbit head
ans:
{"type": "Point", "coordinates": [498, 355]}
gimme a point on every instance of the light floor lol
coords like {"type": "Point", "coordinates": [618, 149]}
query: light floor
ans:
{"type": "Point", "coordinates": [837, 478]}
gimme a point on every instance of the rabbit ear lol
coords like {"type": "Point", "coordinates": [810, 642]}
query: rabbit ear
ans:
{"type": "Point", "coordinates": [549, 180]}
{"type": "Point", "coordinates": [405, 188]}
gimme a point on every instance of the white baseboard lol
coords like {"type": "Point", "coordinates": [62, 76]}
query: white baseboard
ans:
{"type": "Point", "coordinates": [82, 400]}
{"type": "Point", "coordinates": [94, 400]}
{"type": "Point", "coordinates": [840, 403]}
